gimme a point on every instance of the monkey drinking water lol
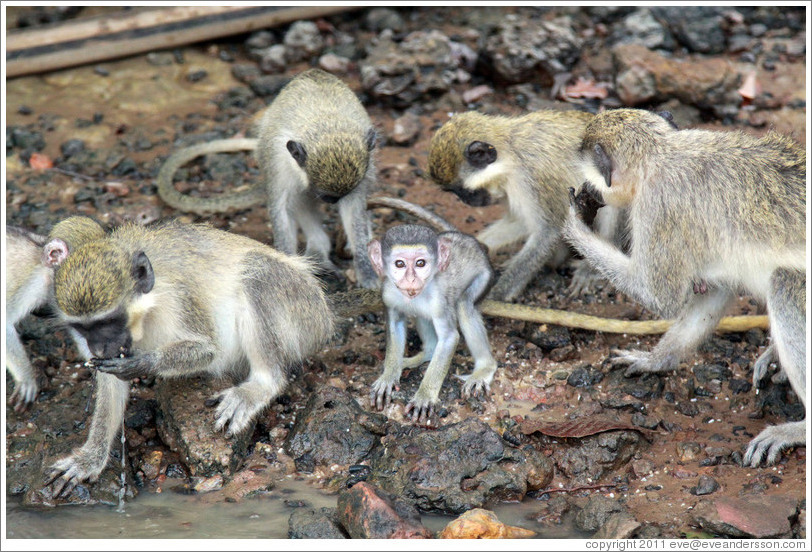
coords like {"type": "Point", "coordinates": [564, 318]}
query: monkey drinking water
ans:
{"type": "Point", "coordinates": [437, 279]}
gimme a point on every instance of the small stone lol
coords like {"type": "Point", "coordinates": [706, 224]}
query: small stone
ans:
{"type": "Point", "coordinates": [688, 451]}
{"type": "Point", "coordinates": [273, 59]}
{"type": "Point", "coordinates": [482, 524]}
{"type": "Point", "coordinates": [72, 147]}
{"type": "Point", "coordinates": [197, 75]}
{"type": "Point", "coordinates": [706, 485]}
{"type": "Point", "coordinates": [406, 129]}
{"type": "Point", "coordinates": [334, 64]}
{"type": "Point", "coordinates": [209, 484]}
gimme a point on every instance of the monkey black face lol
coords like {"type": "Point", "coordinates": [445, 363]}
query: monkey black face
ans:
{"type": "Point", "coordinates": [475, 198]}
{"type": "Point", "coordinates": [603, 163]}
{"type": "Point", "coordinates": [325, 197]}
{"type": "Point", "coordinates": [480, 154]}
{"type": "Point", "coordinates": [106, 337]}
{"type": "Point", "coordinates": [297, 151]}
{"type": "Point", "coordinates": [669, 118]}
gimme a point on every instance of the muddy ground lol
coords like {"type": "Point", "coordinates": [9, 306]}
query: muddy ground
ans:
{"type": "Point", "coordinates": [129, 115]}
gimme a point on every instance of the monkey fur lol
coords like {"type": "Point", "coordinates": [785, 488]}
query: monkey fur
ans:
{"type": "Point", "coordinates": [31, 260]}
{"type": "Point", "coordinates": [179, 299]}
{"type": "Point", "coordinates": [721, 208]}
{"type": "Point", "coordinates": [530, 160]}
{"type": "Point", "coordinates": [315, 144]}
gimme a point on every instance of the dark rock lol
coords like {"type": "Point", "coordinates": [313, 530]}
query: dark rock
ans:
{"type": "Point", "coordinates": [552, 338]}
{"type": "Point", "coordinates": [334, 429]}
{"type": "Point", "coordinates": [260, 39]}
{"type": "Point", "coordinates": [302, 41]}
{"type": "Point", "coordinates": [24, 139]}
{"type": "Point", "coordinates": [140, 413]}
{"type": "Point", "coordinates": [698, 28]}
{"type": "Point", "coordinates": [705, 486]}
{"type": "Point", "coordinates": [584, 376]}
{"type": "Point", "coordinates": [596, 511]}
{"type": "Point", "coordinates": [378, 19]}
{"type": "Point", "coordinates": [642, 27]}
{"type": "Point", "coordinates": [186, 425]}
{"type": "Point", "coordinates": [590, 458]}
{"type": "Point", "coordinates": [707, 372]}
{"type": "Point", "coordinates": [197, 75]}
{"type": "Point", "coordinates": [269, 85]}
{"type": "Point", "coordinates": [620, 525]}
{"type": "Point", "coordinates": [308, 523]}
{"type": "Point", "coordinates": [456, 467]}
{"type": "Point", "coordinates": [245, 72]}
{"type": "Point", "coordinates": [738, 386]}
{"type": "Point", "coordinates": [687, 408]}
{"type": "Point", "coordinates": [648, 422]}
{"type": "Point", "coordinates": [767, 517]}
{"type": "Point", "coordinates": [367, 512]}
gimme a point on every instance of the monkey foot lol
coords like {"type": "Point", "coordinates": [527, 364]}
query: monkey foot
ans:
{"type": "Point", "coordinates": [66, 473]}
{"type": "Point", "coordinates": [762, 365]}
{"type": "Point", "coordinates": [772, 440]}
{"type": "Point", "coordinates": [420, 410]}
{"type": "Point", "coordinates": [475, 387]}
{"type": "Point", "coordinates": [381, 393]}
{"type": "Point", "coordinates": [640, 363]}
{"type": "Point", "coordinates": [584, 279]}
{"type": "Point", "coordinates": [23, 395]}
{"type": "Point", "coordinates": [235, 408]}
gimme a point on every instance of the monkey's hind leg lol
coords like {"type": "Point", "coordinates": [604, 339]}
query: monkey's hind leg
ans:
{"type": "Point", "coordinates": [786, 304]}
{"type": "Point", "coordinates": [425, 329]}
{"type": "Point", "coordinates": [762, 365]}
{"type": "Point", "coordinates": [87, 462]}
{"type": "Point", "coordinates": [24, 374]}
{"type": "Point", "coordinates": [696, 321]}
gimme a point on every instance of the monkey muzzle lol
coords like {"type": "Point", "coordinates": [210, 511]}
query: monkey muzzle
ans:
{"type": "Point", "coordinates": [475, 198]}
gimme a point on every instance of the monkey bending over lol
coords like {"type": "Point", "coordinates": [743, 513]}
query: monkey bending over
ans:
{"type": "Point", "coordinates": [178, 299]}
{"type": "Point", "coordinates": [436, 278]}
{"type": "Point", "coordinates": [722, 208]}
{"type": "Point", "coordinates": [31, 259]}
{"type": "Point", "coordinates": [532, 161]}
{"type": "Point", "coordinates": [315, 143]}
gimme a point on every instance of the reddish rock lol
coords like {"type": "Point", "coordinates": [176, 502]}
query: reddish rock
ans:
{"type": "Point", "coordinates": [764, 517]}
{"type": "Point", "coordinates": [366, 512]}
{"type": "Point", "coordinates": [482, 524]}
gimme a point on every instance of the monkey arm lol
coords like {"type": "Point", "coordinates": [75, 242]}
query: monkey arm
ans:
{"type": "Point", "coordinates": [525, 264]}
{"type": "Point", "coordinates": [179, 358]}
{"type": "Point", "coordinates": [87, 462]}
{"type": "Point", "coordinates": [352, 209]}
{"type": "Point", "coordinates": [428, 394]}
{"type": "Point", "coordinates": [381, 392]}
{"type": "Point", "coordinates": [505, 231]}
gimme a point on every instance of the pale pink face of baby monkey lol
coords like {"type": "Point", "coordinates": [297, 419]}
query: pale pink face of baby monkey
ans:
{"type": "Point", "coordinates": [410, 268]}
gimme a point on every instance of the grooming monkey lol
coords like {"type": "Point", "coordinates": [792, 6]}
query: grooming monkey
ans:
{"type": "Point", "coordinates": [179, 299]}
{"type": "Point", "coordinates": [31, 259]}
{"type": "Point", "coordinates": [531, 161]}
{"type": "Point", "coordinates": [315, 143]}
{"type": "Point", "coordinates": [721, 208]}
{"type": "Point", "coordinates": [438, 279]}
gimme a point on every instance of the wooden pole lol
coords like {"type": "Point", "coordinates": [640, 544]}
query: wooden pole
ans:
{"type": "Point", "coordinates": [133, 32]}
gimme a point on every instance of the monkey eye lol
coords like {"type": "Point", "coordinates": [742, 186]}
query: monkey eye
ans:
{"type": "Point", "coordinates": [400, 264]}
{"type": "Point", "coordinates": [420, 263]}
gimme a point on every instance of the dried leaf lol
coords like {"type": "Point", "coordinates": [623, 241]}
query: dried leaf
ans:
{"type": "Point", "coordinates": [40, 162]}
{"type": "Point", "coordinates": [584, 88]}
{"type": "Point", "coordinates": [574, 428]}
{"type": "Point", "coordinates": [750, 89]}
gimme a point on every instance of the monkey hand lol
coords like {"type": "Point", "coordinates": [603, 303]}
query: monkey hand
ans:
{"type": "Point", "coordinates": [66, 473]}
{"type": "Point", "coordinates": [126, 368]}
{"type": "Point", "coordinates": [238, 406]}
{"type": "Point", "coordinates": [24, 394]}
{"type": "Point", "coordinates": [475, 388]}
{"type": "Point", "coordinates": [585, 204]}
{"type": "Point", "coordinates": [641, 362]}
{"type": "Point", "coordinates": [420, 408]}
{"type": "Point", "coordinates": [762, 365]}
{"type": "Point", "coordinates": [772, 440]}
{"type": "Point", "coordinates": [380, 394]}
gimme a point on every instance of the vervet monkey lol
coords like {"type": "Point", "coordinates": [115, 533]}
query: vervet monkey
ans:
{"type": "Point", "coordinates": [315, 144]}
{"type": "Point", "coordinates": [721, 208]}
{"type": "Point", "coordinates": [179, 299]}
{"type": "Point", "coordinates": [437, 279]}
{"type": "Point", "coordinates": [531, 161]}
{"type": "Point", "coordinates": [30, 262]}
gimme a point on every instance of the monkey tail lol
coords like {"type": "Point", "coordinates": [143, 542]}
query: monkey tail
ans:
{"type": "Point", "coordinates": [610, 325]}
{"type": "Point", "coordinates": [415, 210]}
{"type": "Point", "coordinates": [233, 200]}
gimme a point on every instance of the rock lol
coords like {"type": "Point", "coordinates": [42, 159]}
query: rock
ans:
{"type": "Point", "coordinates": [698, 28]}
{"type": "Point", "coordinates": [767, 517]}
{"type": "Point", "coordinates": [333, 429]}
{"type": "Point", "coordinates": [207, 484]}
{"type": "Point", "coordinates": [71, 147]}
{"type": "Point", "coordinates": [644, 76]}
{"type": "Point", "coordinates": [303, 40]}
{"type": "Point", "coordinates": [705, 486]}
{"type": "Point", "coordinates": [24, 139]}
{"type": "Point", "coordinates": [596, 511]}
{"type": "Point", "coordinates": [482, 524]}
{"type": "Point", "coordinates": [273, 59]}
{"type": "Point", "coordinates": [256, 479]}
{"type": "Point", "coordinates": [245, 72]}
{"type": "Point", "coordinates": [584, 376]}
{"type": "Point", "coordinates": [378, 19]}
{"type": "Point", "coordinates": [547, 337]}
{"type": "Point", "coordinates": [641, 27]}
{"type": "Point", "coordinates": [259, 40]}
{"type": "Point", "coordinates": [688, 451]}
{"type": "Point", "coordinates": [186, 425]}
{"type": "Point", "coordinates": [456, 467]}
{"type": "Point", "coordinates": [269, 85]}
{"type": "Point", "coordinates": [522, 46]}
{"type": "Point", "coordinates": [588, 459]}
{"type": "Point", "coordinates": [620, 525]}
{"type": "Point", "coordinates": [406, 129]}
{"type": "Point", "coordinates": [308, 523]}
{"type": "Point", "coordinates": [334, 64]}
{"type": "Point", "coordinates": [476, 93]}
{"type": "Point", "coordinates": [366, 512]}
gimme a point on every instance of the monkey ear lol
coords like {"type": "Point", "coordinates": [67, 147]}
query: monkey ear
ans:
{"type": "Point", "coordinates": [371, 139]}
{"type": "Point", "coordinates": [480, 154]}
{"type": "Point", "coordinates": [142, 273]}
{"type": "Point", "coordinates": [375, 256]}
{"type": "Point", "coordinates": [297, 151]}
{"type": "Point", "coordinates": [669, 118]}
{"type": "Point", "coordinates": [54, 253]}
{"type": "Point", "coordinates": [443, 253]}
{"type": "Point", "coordinates": [603, 163]}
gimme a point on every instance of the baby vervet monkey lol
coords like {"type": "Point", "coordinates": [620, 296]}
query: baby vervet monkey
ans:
{"type": "Point", "coordinates": [436, 279]}
{"type": "Point", "coordinates": [315, 145]}
{"type": "Point", "coordinates": [531, 161]}
{"type": "Point", "coordinates": [30, 262]}
{"type": "Point", "coordinates": [176, 299]}
{"type": "Point", "coordinates": [718, 212]}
